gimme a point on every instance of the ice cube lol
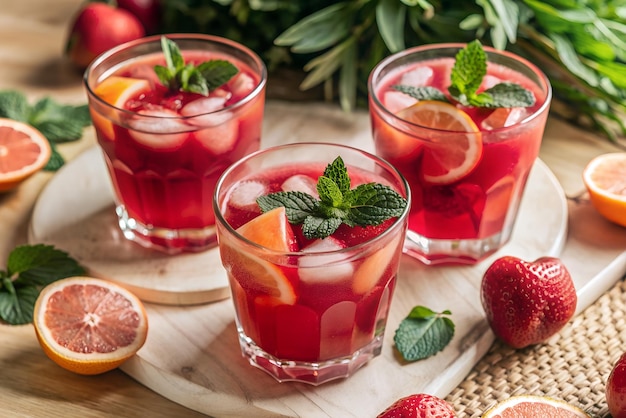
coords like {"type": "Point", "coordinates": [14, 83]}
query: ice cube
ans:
{"type": "Point", "coordinates": [158, 128]}
{"type": "Point", "coordinates": [244, 195]}
{"type": "Point", "coordinates": [330, 267]}
{"type": "Point", "coordinates": [219, 139]}
{"type": "Point", "coordinates": [205, 111]}
{"type": "Point", "coordinates": [395, 101]}
{"type": "Point", "coordinates": [146, 72]}
{"type": "Point", "coordinates": [300, 183]}
{"type": "Point", "coordinates": [241, 85]}
{"type": "Point", "coordinates": [418, 77]}
{"type": "Point", "coordinates": [503, 117]}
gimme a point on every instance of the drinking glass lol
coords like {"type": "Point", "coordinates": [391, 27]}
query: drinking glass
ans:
{"type": "Point", "coordinates": [312, 315]}
{"type": "Point", "coordinates": [165, 151]}
{"type": "Point", "coordinates": [465, 213]}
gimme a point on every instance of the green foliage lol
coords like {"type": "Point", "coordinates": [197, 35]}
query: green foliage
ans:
{"type": "Point", "coordinates": [423, 333]}
{"type": "Point", "coordinates": [580, 44]}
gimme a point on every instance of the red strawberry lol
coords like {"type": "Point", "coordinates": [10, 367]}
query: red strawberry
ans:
{"type": "Point", "coordinates": [419, 406]}
{"type": "Point", "coordinates": [99, 27]}
{"type": "Point", "coordinates": [527, 302]}
{"type": "Point", "coordinates": [616, 389]}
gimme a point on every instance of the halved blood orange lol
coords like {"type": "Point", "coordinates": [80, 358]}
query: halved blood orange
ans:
{"type": "Point", "coordinates": [23, 151]}
{"type": "Point", "coordinates": [116, 91]}
{"type": "Point", "coordinates": [605, 179]}
{"type": "Point", "coordinates": [530, 406]}
{"type": "Point", "coordinates": [454, 149]}
{"type": "Point", "coordinates": [89, 326]}
{"type": "Point", "coordinates": [271, 230]}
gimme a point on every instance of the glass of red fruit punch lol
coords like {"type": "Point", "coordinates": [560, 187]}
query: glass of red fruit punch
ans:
{"type": "Point", "coordinates": [170, 114]}
{"type": "Point", "coordinates": [463, 124]}
{"type": "Point", "coordinates": [311, 236]}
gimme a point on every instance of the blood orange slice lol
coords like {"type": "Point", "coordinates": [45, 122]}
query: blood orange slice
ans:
{"type": "Point", "coordinates": [605, 179]}
{"type": "Point", "coordinates": [455, 147]}
{"type": "Point", "coordinates": [23, 151]}
{"type": "Point", "coordinates": [522, 406]}
{"type": "Point", "coordinates": [254, 274]}
{"type": "Point", "coordinates": [89, 326]}
{"type": "Point", "coordinates": [115, 91]}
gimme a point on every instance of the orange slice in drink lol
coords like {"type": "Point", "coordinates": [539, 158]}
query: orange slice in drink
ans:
{"type": "Point", "coordinates": [23, 151]}
{"type": "Point", "coordinates": [115, 91]}
{"type": "Point", "coordinates": [534, 406]}
{"type": "Point", "coordinates": [454, 149]}
{"type": "Point", "coordinates": [605, 179]}
{"type": "Point", "coordinates": [254, 274]}
{"type": "Point", "coordinates": [89, 326]}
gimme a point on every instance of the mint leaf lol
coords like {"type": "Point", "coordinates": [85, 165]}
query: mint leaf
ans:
{"type": "Point", "coordinates": [367, 204]}
{"type": "Point", "coordinates": [422, 93]}
{"type": "Point", "coordinates": [14, 105]}
{"type": "Point", "coordinates": [201, 79]}
{"type": "Point", "coordinates": [29, 269]}
{"type": "Point", "coordinates": [470, 66]}
{"type": "Point", "coordinates": [423, 333]}
{"type": "Point", "coordinates": [510, 95]}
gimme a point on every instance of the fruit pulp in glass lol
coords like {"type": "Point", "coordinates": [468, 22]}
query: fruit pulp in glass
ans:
{"type": "Point", "coordinates": [331, 296]}
{"type": "Point", "coordinates": [167, 151]}
{"type": "Point", "coordinates": [478, 203]}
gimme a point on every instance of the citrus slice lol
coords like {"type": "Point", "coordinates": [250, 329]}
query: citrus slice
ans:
{"type": "Point", "coordinates": [254, 274]}
{"type": "Point", "coordinates": [605, 179]}
{"type": "Point", "coordinates": [534, 406]}
{"type": "Point", "coordinates": [23, 151]}
{"type": "Point", "coordinates": [115, 91]}
{"type": "Point", "coordinates": [454, 149]}
{"type": "Point", "coordinates": [89, 326]}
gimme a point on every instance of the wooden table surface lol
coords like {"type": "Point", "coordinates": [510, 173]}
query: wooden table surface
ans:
{"type": "Point", "coordinates": [32, 34]}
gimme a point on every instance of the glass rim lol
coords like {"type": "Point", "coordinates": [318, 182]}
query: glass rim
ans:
{"type": "Point", "coordinates": [275, 253]}
{"type": "Point", "coordinates": [100, 59]}
{"type": "Point", "coordinates": [543, 83]}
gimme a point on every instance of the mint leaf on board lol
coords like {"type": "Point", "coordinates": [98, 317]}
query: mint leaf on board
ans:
{"type": "Point", "coordinates": [58, 123]}
{"type": "Point", "coordinates": [423, 333]}
{"type": "Point", "coordinates": [367, 204]}
{"type": "Point", "coordinates": [470, 67]}
{"type": "Point", "coordinates": [29, 269]}
{"type": "Point", "coordinates": [201, 79]}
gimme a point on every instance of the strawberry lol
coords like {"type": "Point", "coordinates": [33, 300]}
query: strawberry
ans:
{"type": "Point", "coordinates": [616, 389]}
{"type": "Point", "coordinates": [527, 302]}
{"type": "Point", "coordinates": [99, 27]}
{"type": "Point", "coordinates": [419, 406]}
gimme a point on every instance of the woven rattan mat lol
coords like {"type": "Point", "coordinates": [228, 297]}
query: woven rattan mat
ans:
{"type": "Point", "coordinates": [572, 366]}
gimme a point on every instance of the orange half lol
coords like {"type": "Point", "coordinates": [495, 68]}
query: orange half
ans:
{"type": "Point", "coordinates": [605, 179]}
{"type": "Point", "coordinates": [528, 406]}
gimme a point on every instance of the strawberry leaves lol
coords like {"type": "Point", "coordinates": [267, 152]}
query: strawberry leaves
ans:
{"type": "Point", "coordinates": [423, 333]}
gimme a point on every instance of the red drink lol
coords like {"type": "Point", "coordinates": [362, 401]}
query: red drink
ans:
{"type": "Point", "coordinates": [166, 149]}
{"type": "Point", "coordinates": [323, 303]}
{"type": "Point", "coordinates": [464, 214]}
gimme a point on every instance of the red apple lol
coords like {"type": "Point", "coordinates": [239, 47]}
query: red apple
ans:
{"type": "Point", "coordinates": [527, 302]}
{"type": "Point", "coordinates": [99, 27]}
{"type": "Point", "coordinates": [616, 389]}
{"type": "Point", "coordinates": [147, 11]}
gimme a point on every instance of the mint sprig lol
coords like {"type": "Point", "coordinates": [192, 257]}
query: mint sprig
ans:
{"type": "Point", "coordinates": [29, 269]}
{"type": "Point", "coordinates": [367, 204]}
{"type": "Point", "coordinates": [201, 79]}
{"type": "Point", "coordinates": [423, 333]}
{"type": "Point", "coordinates": [470, 67]}
{"type": "Point", "coordinates": [57, 122]}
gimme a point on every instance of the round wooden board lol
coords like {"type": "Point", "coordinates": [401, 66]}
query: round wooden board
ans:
{"type": "Point", "coordinates": [75, 213]}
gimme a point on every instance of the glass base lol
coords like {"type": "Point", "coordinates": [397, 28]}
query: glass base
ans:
{"type": "Point", "coordinates": [306, 372]}
{"type": "Point", "coordinates": [171, 241]}
{"type": "Point", "coordinates": [452, 252]}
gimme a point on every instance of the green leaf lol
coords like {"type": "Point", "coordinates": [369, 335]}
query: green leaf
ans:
{"type": "Point", "coordinates": [298, 205]}
{"type": "Point", "coordinates": [316, 227]}
{"type": "Point", "coordinates": [422, 93]}
{"type": "Point", "coordinates": [40, 265]}
{"type": "Point", "coordinates": [14, 105]}
{"type": "Point", "coordinates": [423, 333]}
{"type": "Point", "coordinates": [17, 308]}
{"type": "Point", "coordinates": [217, 72]}
{"type": "Point", "coordinates": [56, 160]}
{"type": "Point", "coordinates": [372, 204]}
{"type": "Point", "coordinates": [338, 173]}
{"type": "Point", "coordinates": [348, 77]}
{"type": "Point", "coordinates": [391, 20]}
{"type": "Point", "coordinates": [469, 69]}
{"type": "Point", "coordinates": [510, 95]}
{"type": "Point", "coordinates": [329, 192]}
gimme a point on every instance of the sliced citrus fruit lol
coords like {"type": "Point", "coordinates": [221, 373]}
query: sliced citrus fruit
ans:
{"type": "Point", "coordinates": [23, 151]}
{"type": "Point", "coordinates": [116, 91]}
{"type": "Point", "coordinates": [605, 179]}
{"type": "Point", "coordinates": [88, 325]}
{"type": "Point", "coordinates": [253, 273]}
{"type": "Point", "coordinates": [454, 149]}
{"type": "Point", "coordinates": [534, 406]}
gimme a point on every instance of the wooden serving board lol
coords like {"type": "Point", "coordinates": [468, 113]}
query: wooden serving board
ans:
{"type": "Point", "coordinates": [192, 355]}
